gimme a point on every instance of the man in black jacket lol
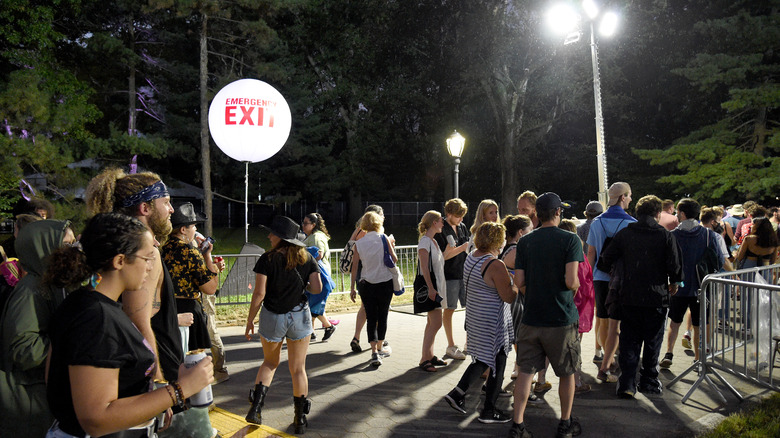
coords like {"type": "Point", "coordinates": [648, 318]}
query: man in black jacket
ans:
{"type": "Point", "coordinates": [652, 271]}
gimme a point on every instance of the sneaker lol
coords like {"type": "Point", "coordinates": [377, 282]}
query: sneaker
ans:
{"type": "Point", "coordinates": [385, 352]}
{"type": "Point", "coordinates": [568, 429]}
{"type": "Point", "coordinates": [606, 377]}
{"type": "Point", "coordinates": [598, 357]}
{"type": "Point", "coordinates": [519, 431]}
{"type": "Point", "coordinates": [494, 416]}
{"type": "Point", "coordinates": [313, 337]}
{"type": "Point", "coordinates": [454, 353]}
{"type": "Point", "coordinates": [542, 387]}
{"type": "Point", "coordinates": [457, 400]}
{"type": "Point", "coordinates": [625, 393]}
{"type": "Point", "coordinates": [502, 393]}
{"type": "Point", "coordinates": [582, 389]}
{"type": "Point", "coordinates": [385, 344]}
{"type": "Point", "coordinates": [534, 399]}
{"type": "Point", "coordinates": [334, 321]}
{"type": "Point", "coordinates": [355, 345]}
{"type": "Point", "coordinates": [376, 359]}
{"type": "Point", "coordinates": [686, 342]}
{"type": "Point", "coordinates": [666, 362]}
{"type": "Point", "coordinates": [328, 332]}
{"type": "Point", "coordinates": [651, 388]}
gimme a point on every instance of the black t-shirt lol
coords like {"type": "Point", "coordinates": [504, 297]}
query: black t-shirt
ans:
{"type": "Point", "coordinates": [284, 288]}
{"type": "Point", "coordinates": [91, 329]}
{"type": "Point", "coordinates": [453, 268]}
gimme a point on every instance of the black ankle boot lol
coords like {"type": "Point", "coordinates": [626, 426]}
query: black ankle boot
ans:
{"type": "Point", "coordinates": [302, 407]}
{"type": "Point", "coordinates": [257, 398]}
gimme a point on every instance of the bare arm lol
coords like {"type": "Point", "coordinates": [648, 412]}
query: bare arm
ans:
{"type": "Point", "coordinates": [138, 305]}
{"type": "Point", "coordinates": [743, 249]}
{"type": "Point", "coordinates": [452, 251]}
{"type": "Point", "coordinates": [498, 277]}
{"type": "Point", "coordinates": [353, 274]}
{"type": "Point", "coordinates": [99, 410]}
{"type": "Point", "coordinates": [572, 280]}
{"type": "Point", "coordinates": [254, 306]}
{"type": "Point", "coordinates": [315, 283]}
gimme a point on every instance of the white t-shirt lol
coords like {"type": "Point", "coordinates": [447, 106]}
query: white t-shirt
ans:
{"type": "Point", "coordinates": [437, 260]}
{"type": "Point", "coordinates": [372, 253]}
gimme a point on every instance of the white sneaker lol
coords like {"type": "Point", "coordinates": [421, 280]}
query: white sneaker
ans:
{"type": "Point", "coordinates": [376, 359]}
{"type": "Point", "coordinates": [385, 351]}
{"type": "Point", "coordinates": [454, 353]}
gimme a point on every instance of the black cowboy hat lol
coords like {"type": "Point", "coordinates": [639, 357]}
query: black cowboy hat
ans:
{"type": "Point", "coordinates": [284, 228]}
{"type": "Point", "coordinates": [185, 215]}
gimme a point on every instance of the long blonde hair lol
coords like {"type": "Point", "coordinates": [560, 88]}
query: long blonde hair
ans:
{"type": "Point", "coordinates": [426, 222]}
{"type": "Point", "coordinates": [480, 218]}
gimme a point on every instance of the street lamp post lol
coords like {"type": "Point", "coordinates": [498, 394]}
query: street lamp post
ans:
{"type": "Point", "coordinates": [455, 145]}
{"type": "Point", "coordinates": [566, 20]}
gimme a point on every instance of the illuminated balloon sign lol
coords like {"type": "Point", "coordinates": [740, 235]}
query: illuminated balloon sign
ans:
{"type": "Point", "coordinates": [249, 120]}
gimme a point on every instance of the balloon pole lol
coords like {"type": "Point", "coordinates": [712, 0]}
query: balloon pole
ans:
{"type": "Point", "coordinates": [246, 203]}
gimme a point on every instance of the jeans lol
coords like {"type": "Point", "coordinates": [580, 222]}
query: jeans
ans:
{"type": "Point", "coordinates": [640, 325]}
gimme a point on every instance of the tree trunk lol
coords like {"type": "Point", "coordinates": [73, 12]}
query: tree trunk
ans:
{"type": "Point", "coordinates": [131, 110]}
{"type": "Point", "coordinates": [205, 151]}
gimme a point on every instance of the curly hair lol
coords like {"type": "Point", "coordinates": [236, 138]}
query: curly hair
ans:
{"type": "Point", "coordinates": [105, 236]}
{"type": "Point", "coordinates": [106, 191]}
{"type": "Point", "coordinates": [568, 225]}
{"type": "Point", "coordinates": [489, 236]}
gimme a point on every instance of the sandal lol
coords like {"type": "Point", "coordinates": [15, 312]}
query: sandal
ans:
{"type": "Point", "coordinates": [428, 366]}
{"type": "Point", "coordinates": [437, 362]}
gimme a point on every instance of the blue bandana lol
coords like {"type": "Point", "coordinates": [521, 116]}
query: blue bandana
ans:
{"type": "Point", "coordinates": [154, 191]}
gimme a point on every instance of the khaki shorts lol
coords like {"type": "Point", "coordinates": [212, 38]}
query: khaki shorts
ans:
{"type": "Point", "coordinates": [561, 345]}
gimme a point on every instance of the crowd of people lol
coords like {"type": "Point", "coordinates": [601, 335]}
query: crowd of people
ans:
{"type": "Point", "coordinates": [95, 330]}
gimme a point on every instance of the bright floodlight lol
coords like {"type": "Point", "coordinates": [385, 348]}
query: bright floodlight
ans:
{"type": "Point", "coordinates": [455, 144]}
{"type": "Point", "coordinates": [608, 24]}
{"type": "Point", "coordinates": [562, 19]}
{"type": "Point", "coordinates": [590, 8]}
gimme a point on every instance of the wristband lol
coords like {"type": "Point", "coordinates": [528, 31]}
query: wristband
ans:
{"type": "Point", "coordinates": [171, 393]}
{"type": "Point", "coordinates": [180, 400]}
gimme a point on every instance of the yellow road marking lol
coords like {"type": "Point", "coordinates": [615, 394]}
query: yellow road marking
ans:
{"type": "Point", "coordinates": [231, 425]}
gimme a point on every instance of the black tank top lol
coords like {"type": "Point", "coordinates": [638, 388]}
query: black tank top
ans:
{"type": "Point", "coordinates": [165, 325]}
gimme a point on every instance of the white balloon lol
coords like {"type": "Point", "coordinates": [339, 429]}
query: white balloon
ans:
{"type": "Point", "coordinates": [249, 120]}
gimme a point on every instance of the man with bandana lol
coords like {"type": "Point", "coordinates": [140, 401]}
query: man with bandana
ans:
{"type": "Point", "coordinates": [153, 307]}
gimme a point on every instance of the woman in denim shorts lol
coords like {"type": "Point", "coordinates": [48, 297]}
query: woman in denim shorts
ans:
{"type": "Point", "coordinates": [282, 275]}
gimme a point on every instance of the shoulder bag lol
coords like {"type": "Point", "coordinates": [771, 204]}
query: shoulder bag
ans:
{"type": "Point", "coordinates": [398, 278]}
{"type": "Point", "coordinates": [422, 303]}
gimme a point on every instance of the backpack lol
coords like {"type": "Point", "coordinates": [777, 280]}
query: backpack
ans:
{"type": "Point", "coordinates": [608, 240]}
{"type": "Point", "coordinates": [709, 262]}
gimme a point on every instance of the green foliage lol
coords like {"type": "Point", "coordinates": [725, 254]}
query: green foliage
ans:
{"type": "Point", "coordinates": [734, 154]}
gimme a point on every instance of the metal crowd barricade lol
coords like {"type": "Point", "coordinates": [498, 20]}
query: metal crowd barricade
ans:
{"type": "Point", "coordinates": [743, 311]}
{"type": "Point", "coordinates": [407, 261]}
{"type": "Point", "coordinates": [237, 281]}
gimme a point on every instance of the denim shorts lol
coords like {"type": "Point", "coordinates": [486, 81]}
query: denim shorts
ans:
{"type": "Point", "coordinates": [293, 325]}
{"type": "Point", "coordinates": [456, 291]}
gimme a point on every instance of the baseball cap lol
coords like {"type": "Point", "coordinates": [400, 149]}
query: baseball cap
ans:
{"type": "Point", "coordinates": [594, 207]}
{"type": "Point", "coordinates": [550, 201]}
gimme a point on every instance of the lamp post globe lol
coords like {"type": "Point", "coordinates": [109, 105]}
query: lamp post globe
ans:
{"type": "Point", "coordinates": [455, 145]}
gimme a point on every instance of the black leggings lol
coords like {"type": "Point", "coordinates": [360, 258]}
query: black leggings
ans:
{"type": "Point", "coordinates": [494, 382]}
{"type": "Point", "coordinates": [376, 299]}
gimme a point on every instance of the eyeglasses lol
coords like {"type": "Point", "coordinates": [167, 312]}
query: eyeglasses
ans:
{"type": "Point", "coordinates": [147, 259]}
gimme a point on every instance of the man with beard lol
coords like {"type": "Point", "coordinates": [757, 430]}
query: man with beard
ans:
{"type": "Point", "coordinates": [153, 307]}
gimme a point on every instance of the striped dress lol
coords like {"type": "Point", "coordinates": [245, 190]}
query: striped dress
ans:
{"type": "Point", "coordinates": [488, 318]}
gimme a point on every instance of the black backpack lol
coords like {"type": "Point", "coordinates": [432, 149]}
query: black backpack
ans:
{"type": "Point", "coordinates": [608, 240]}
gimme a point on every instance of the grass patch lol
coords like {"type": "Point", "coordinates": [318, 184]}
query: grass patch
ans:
{"type": "Point", "coordinates": [762, 420]}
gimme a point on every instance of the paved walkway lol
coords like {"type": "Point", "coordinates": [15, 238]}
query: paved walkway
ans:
{"type": "Point", "coordinates": [350, 398]}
